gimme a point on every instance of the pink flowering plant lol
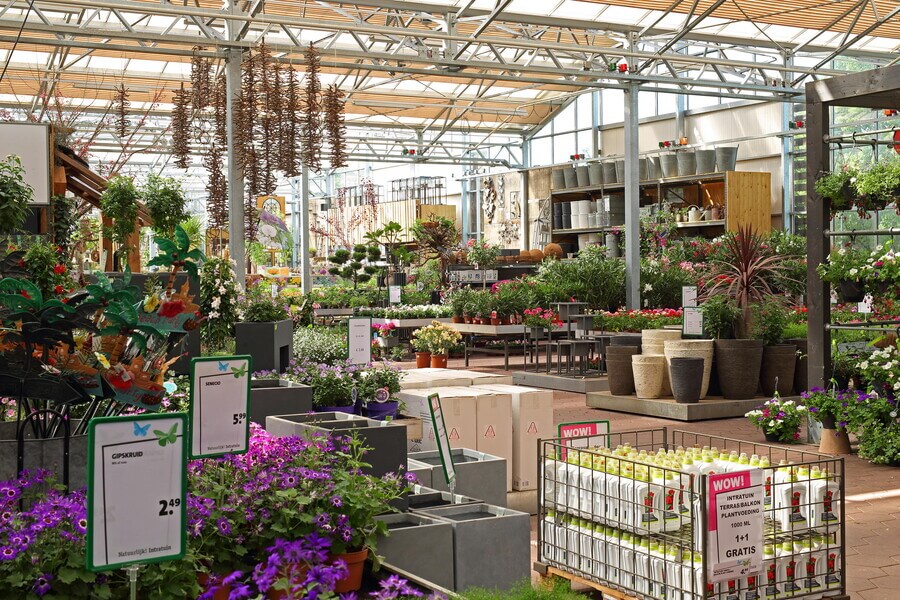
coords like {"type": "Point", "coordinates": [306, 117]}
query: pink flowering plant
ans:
{"type": "Point", "coordinates": [779, 418]}
{"type": "Point", "coordinates": [541, 317]}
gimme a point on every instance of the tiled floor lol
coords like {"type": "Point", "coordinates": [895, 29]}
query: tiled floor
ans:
{"type": "Point", "coordinates": [872, 492]}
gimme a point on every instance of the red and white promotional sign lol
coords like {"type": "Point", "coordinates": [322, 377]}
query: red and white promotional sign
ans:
{"type": "Point", "coordinates": [735, 538]}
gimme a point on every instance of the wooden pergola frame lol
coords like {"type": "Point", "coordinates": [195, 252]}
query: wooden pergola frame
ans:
{"type": "Point", "coordinates": [876, 89]}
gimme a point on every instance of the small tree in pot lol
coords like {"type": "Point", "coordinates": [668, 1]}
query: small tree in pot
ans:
{"type": "Point", "coordinates": [352, 265]}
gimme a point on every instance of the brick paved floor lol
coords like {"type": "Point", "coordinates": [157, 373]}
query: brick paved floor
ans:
{"type": "Point", "coordinates": [872, 491]}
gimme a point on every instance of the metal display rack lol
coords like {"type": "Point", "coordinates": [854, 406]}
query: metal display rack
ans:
{"type": "Point", "coordinates": [876, 89]}
{"type": "Point", "coordinates": [422, 190]}
{"type": "Point", "coordinates": [601, 525]}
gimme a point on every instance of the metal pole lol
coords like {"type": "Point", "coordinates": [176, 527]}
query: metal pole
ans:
{"type": "Point", "coordinates": [632, 202]}
{"type": "Point", "coordinates": [295, 224]}
{"type": "Point", "coordinates": [236, 225]}
{"type": "Point", "coordinates": [306, 274]}
{"type": "Point", "coordinates": [595, 124]}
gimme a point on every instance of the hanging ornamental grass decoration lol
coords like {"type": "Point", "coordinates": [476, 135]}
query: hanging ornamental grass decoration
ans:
{"type": "Point", "coordinates": [291, 123]}
{"type": "Point", "coordinates": [201, 80]}
{"type": "Point", "coordinates": [181, 134]}
{"type": "Point", "coordinates": [334, 125]}
{"type": "Point", "coordinates": [311, 134]}
{"type": "Point", "coordinates": [121, 104]}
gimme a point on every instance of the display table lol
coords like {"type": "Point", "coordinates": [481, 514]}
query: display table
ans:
{"type": "Point", "coordinates": [503, 332]}
{"type": "Point", "coordinates": [410, 323]}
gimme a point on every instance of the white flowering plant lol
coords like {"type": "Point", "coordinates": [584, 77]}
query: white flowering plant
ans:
{"type": "Point", "coordinates": [218, 302]}
{"type": "Point", "coordinates": [881, 370]}
{"type": "Point", "coordinates": [844, 264]}
{"type": "Point", "coordinates": [779, 418]}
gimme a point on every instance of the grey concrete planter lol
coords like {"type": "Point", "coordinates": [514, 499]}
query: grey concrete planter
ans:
{"type": "Point", "coordinates": [491, 545]}
{"type": "Point", "coordinates": [270, 344]}
{"type": "Point", "coordinates": [478, 475]}
{"type": "Point", "coordinates": [387, 440]}
{"type": "Point", "coordinates": [420, 545]}
{"type": "Point", "coordinates": [425, 498]}
{"type": "Point", "coordinates": [43, 454]}
{"type": "Point", "coordinates": [270, 397]}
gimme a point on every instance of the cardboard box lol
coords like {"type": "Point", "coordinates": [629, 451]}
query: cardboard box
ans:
{"type": "Point", "coordinates": [494, 422]}
{"type": "Point", "coordinates": [478, 378]}
{"type": "Point", "coordinates": [418, 379]}
{"type": "Point", "coordinates": [532, 412]}
{"type": "Point", "coordinates": [459, 407]}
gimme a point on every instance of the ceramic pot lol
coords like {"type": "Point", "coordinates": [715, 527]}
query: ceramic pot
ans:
{"type": "Point", "coordinates": [438, 361]}
{"type": "Point", "coordinates": [777, 372]}
{"type": "Point", "coordinates": [595, 173]}
{"type": "Point", "coordinates": [726, 158]}
{"type": "Point", "coordinates": [687, 377]}
{"type": "Point", "coordinates": [618, 369]}
{"type": "Point", "coordinates": [456, 319]}
{"type": "Point", "coordinates": [423, 360]}
{"type": "Point", "coordinates": [355, 562]}
{"type": "Point", "coordinates": [649, 375]}
{"type": "Point", "coordinates": [706, 161]}
{"type": "Point", "coordinates": [687, 163]}
{"type": "Point", "coordinates": [833, 441]}
{"type": "Point", "coordinates": [382, 410]}
{"type": "Point", "coordinates": [702, 349]}
{"type": "Point", "coordinates": [738, 363]}
{"type": "Point", "coordinates": [669, 165]}
{"type": "Point", "coordinates": [772, 438]}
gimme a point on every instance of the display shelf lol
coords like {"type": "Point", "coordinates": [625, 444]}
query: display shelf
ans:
{"type": "Point", "coordinates": [587, 229]}
{"type": "Point", "coordinates": [716, 223]}
{"type": "Point", "coordinates": [693, 179]}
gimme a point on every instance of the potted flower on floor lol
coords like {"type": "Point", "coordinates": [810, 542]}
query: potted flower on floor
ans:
{"type": "Point", "coordinates": [423, 354]}
{"type": "Point", "coordinates": [266, 331]}
{"type": "Point", "coordinates": [779, 419]}
{"type": "Point", "coordinates": [438, 338]}
{"type": "Point", "coordinates": [834, 409]}
{"type": "Point", "coordinates": [378, 388]}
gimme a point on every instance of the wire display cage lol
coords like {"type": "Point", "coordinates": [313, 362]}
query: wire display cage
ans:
{"type": "Point", "coordinates": [629, 511]}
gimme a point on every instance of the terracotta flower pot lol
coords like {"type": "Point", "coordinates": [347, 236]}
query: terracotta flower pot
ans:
{"type": "Point", "coordinates": [456, 319]}
{"type": "Point", "coordinates": [423, 360]}
{"type": "Point", "coordinates": [355, 562]}
{"type": "Point", "coordinates": [438, 361]}
{"type": "Point", "coordinates": [495, 321]}
{"type": "Point", "coordinates": [467, 320]}
{"type": "Point", "coordinates": [833, 441]}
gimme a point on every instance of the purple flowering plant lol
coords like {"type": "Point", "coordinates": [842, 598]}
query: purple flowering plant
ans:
{"type": "Point", "coordinates": [848, 409]}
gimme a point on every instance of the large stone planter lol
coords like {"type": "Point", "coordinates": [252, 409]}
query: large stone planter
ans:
{"type": "Point", "coordinates": [654, 343]}
{"type": "Point", "coordinates": [649, 373]}
{"type": "Point", "coordinates": [801, 370]}
{"type": "Point", "coordinates": [387, 440]}
{"type": "Point", "coordinates": [691, 349]}
{"type": "Point", "coordinates": [420, 545]}
{"type": "Point", "coordinates": [270, 344]}
{"type": "Point", "coordinates": [738, 363]}
{"type": "Point", "coordinates": [421, 470]}
{"type": "Point", "coordinates": [43, 454]}
{"type": "Point", "coordinates": [618, 369]}
{"type": "Point", "coordinates": [478, 475]}
{"type": "Point", "coordinates": [491, 545]}
{"type": "Point", "coordinates": [777, 371]}
{"type": "Point", "coordinates": [270, 397]}
{"type": "Point", "coordinates": [686, 374]}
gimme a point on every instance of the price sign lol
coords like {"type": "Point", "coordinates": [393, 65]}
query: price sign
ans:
{"type": "Point", "coordinates": [688, 296]}
{"type": "Point", "coordinates": [137, 480]}
{"type": "Point", "coordinates": [394, 294]}
{"type": "Point", "coordinates": [692, 322]}
{"type": "Point", "coordinates": [735, 537]}
{"type": "Point", "coordinates": [443, 440]}
{"type": "Point", "coordinates": [360, 340]}
{"type": "Point", "coordinates": [220, 403]}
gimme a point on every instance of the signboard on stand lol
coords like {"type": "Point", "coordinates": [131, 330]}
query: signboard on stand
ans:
{"type": "Point", "coordinates": [360, 340]}
{"type": "Point", "coordinates": [735, 535]}
{"type": "Point", "coordinates": [220, 403]}
{"type": "Point", "coordinates": [137, 483]}
{"type": "Point", "coordinates": [692, 322]}
{"type": "Point", "coordinates": [394, 292]}
{"type": "Point", "coordinates": [443, 440]}
{"type": "Point", "coordinates": [688, 296]}
{"type": "Point", "coordinates": [585, 434]}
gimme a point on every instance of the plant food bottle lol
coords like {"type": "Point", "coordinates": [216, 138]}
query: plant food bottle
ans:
{"type": "Point", "coordinates": [586, 546]}
{"type": "Point", "coordinates": [548, 537]}
{"type": "Point", "coordinates": [598, 485]}
{"type": "Point", "coordinates": [813, 584]}
{"type": "Point", "coordinates": [612, 491]}
{"type": "Point", "coordinates": [692, 585]}
{"type": "Point", "coordinates": [768, 474]}
{"type": "Point", "coordinates": [789, 571]}
{"type": "Point", "coordinates": [673, 574]}
{"type": "Point", "coordinates": [772, 587]}
{"type": "Point", "coordinates": [689, 473]}
{"type": "Point", "coordinates": [824, 500]}
{"type": "Point", "coordinates": [750, 586]}
{"type": "Point", "coordinates": [833, 574]}
{"type": "Point", "coordinates": [656, 586]}
{"type": "Point", "coordinates": [669, 489]}
{"type": "Point", "coordinates": [613, 553]}
{"type": "Point", "coordinates": [642, 565]}
{"type": "Point", "coordinates": [599, 551]}
{"type": "Point", "coordinates": [627, 509]}
{"type": "Point", "coordinates": [626, 564]}
{"type": "Point", "coordinates": [790, 502]}
{"type": "Point", "coordinates": [647, 500]}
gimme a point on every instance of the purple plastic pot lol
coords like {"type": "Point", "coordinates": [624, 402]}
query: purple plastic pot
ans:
{"type": "Point", "coordinates": [382, 410]}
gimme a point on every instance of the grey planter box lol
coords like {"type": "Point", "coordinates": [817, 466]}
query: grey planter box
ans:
{"type": "Point", "coordinates": [421, 470]}
{"type": "Point", "coordinates": [43, 454]}
{"type": "Point", "coordinates": [420, 545]}
{"type": "Point", "coordinates": [478, 475]}
{"type": "Point", "coordinates": [270, 344]}
{"type": "Point", "coordinates": [270, 397]}
{"type": "Point", "coordinates": [424, 498]}
{"type": "Point", "coordinates": [491, 545]}
{"type": "Point", "coordinates": [387, 440]}
{"type": "Point", "coordinates": [191, 342]}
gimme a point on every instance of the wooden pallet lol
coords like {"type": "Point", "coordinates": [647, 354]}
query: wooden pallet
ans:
{"type": "Point", "coordinates": [547, 572]}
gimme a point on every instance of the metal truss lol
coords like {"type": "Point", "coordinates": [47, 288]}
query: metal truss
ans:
{"type": "Point", "coordinates": [489, 57]}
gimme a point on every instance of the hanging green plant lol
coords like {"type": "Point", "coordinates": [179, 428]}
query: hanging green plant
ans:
{"type": "Point", "coordinates": [15, 195]}
{"type": "Point", "coordinates": [878, 186]}
{"type": "Point", "coordinates": [165, 202]}
{"type": "Point", "coordinates": [119, 204]}
{"type": "Point", "coordinates": [838, 187]}
{"type": "Point", "coordinates": [64, 220]}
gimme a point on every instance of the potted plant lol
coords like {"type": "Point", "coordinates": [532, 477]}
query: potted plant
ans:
{"type": "Point", "coordinates": [881, 270]}
{"type": "Point", "coordinates": [844, 269]}
{"type": "Point", "coordinates": [165, 202]}
{"type": "Point", "coordinates": [770, 319]}
{"type": "Point", "coordinates": [838, 187]}
{"type": "Point", "coordinates": [878, 186]}
{"type": "Point", "coordinates": [482, 255]}
{"type": "Point", "coordinates": [423, 353]}
{"type": "Point", "coordinates": [458, 301]}
{"type": "Point", "coordinates": [15, 195]}
{"type": "Point", "coordinates": [834, 409]}
{"type": "Point", "coordinates": [438, 238]}
{"type": "Point", "coordinates": [438, 338]}
{"type": "Point", "coordinates": [356, 266]}
{"type": "Point", "coordinates": [742, 273]}
{"type": "Point", "coordinates": [779, 419]}
{"type": "Point", "coordinates": [265, 331]}
{"type": "Point", "coordinates": [541, 319]}
{"type": "Point", "coordinates": [118, 203]}
{"type": "Point", "coordinates": [378, 388]}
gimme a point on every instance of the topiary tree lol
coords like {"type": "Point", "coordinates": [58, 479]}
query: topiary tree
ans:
{"type": "Point", "coordinates": [119, 204]}
{"type": "Point", "coordinates": [349, 265]}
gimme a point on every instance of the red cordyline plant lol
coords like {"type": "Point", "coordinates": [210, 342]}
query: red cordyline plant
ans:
{"type": "Point", "coordinates": [744, 273]}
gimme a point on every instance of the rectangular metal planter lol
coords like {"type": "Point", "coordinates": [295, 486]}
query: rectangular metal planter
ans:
{"type": "Point", "coordinates": [270, 344]}
{"type": "Point", "coordinates": [270, 397]}
{"type": "Point", "coordinates": [491, 545]}
{"type": "Point", "coordinates": [424, 498]}
{"type": "Point", "coordinates": [421, 470]}
{"type": "Point", "coordinates": [478, 475]}
{"type": "Point", "coordinates": [387, 440]}
{"type": "Point", "coordinates": [420, 545]}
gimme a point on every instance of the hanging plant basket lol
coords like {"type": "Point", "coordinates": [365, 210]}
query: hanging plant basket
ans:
{"type": "Point", "coordinates": [851, 291]}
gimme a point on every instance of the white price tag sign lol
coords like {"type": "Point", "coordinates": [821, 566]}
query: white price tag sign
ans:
{"type": "Point", "coordinates": [735, 538]}
{"type": "Point", "coordinates": [136, 490]}
{"type": "Point", "coordinates": [394, 294]}
{"type": "Point", "coordinates": [360, 340]}
{"type": "Point", "coordinates": [443, 440]}
{"type": "Point", "coordinates": [220, 405]}
{"type": "Point", "coordinates": [688, 296]}
{"type": "Point", "coordinates": [692, 322]}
